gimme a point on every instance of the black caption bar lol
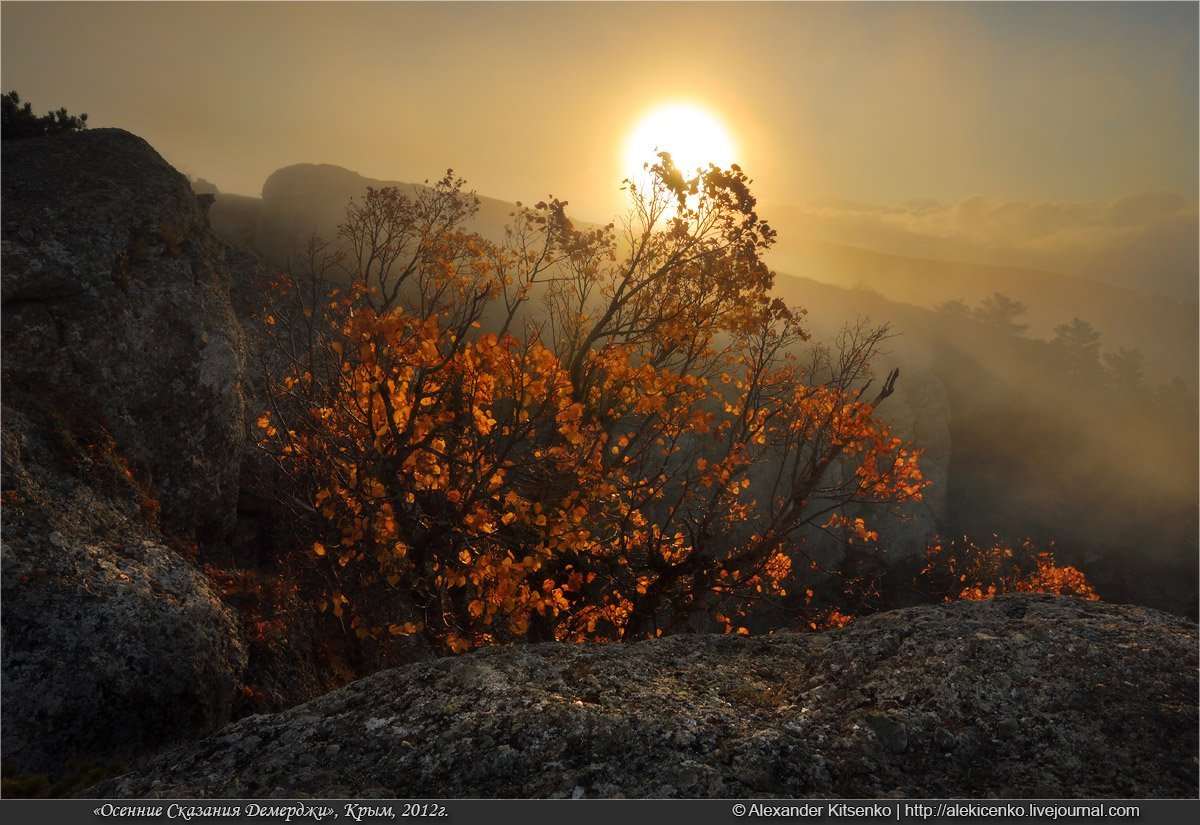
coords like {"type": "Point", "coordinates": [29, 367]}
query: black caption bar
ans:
{"type": "Point", "coordinates": [598, 812]}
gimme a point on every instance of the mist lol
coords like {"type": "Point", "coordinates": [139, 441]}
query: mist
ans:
{"type": "Point", "coordinates": [1144, 241]}
{"type": "Point", "coordinates": [1021, 439]}
{"type": "Point", "coordinates": [1102, 468]}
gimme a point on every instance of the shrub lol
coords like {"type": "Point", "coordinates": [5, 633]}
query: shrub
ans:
{"type": "Point", "coordinates": [19, 121]}
{"type": "Point", "coordinates": [575, 434]}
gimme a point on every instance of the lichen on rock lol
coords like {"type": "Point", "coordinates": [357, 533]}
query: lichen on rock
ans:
{"type": "Point", "coordinates": [1020, 696]}
{"type": "Point", "coordinates": [114, 287]}
{"type": "Point", "coordinates": [114, 645]}
{"type": "Point", "coordinates": [124, 427]}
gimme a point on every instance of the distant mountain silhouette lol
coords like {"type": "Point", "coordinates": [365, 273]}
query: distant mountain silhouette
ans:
{"type": "Point", "coordinates": [305, 198]}
{"type": "Point", "coordinates": [1145, 241]}
{"type": "Point", "coordinates": [300, 200]}
{"type": "Point", "coordinates": [1165, 329]}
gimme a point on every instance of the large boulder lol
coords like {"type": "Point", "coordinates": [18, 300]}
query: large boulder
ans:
{"type": "Point", "coordinates": [114, 645]}
{"type": "Point", "coordinates": [122, 439]}
{"type": "Point", "coordinates": [115, 289]}
{"type": "Point", "coordinates": [1021, 696]}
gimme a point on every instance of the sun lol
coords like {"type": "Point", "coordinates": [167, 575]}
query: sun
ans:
{"type": "Point", "coordinates": [694, 138]}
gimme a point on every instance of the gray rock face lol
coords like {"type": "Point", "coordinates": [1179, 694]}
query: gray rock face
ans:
{"type": "Point", "coordinates": [114, 645]}
{"type": "Point", "coordinates": [1025, 695]}
{"type": "Point", "coordinates": [124, 414]}
{"type": "Point", "coordinates": [114, 289]}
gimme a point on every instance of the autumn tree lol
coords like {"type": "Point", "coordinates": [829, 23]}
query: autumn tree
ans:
{"type": "Point", "coordinates": [574, 434]}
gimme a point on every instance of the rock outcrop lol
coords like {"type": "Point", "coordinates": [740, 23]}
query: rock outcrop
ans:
{"type": "Point", "coordinates": [305, 198]}
{"type": "Point", "coordinates": [114, 289]}
{"type": "Point", "coordinates": [114, 645]}
{"type": "Point", "coordinates": [1021, 696]}
{"type": "Point", "coordinates": [122, 439]}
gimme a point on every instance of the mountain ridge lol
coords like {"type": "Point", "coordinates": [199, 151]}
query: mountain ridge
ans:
{"type": "Point", "coordinates": [314, 196]}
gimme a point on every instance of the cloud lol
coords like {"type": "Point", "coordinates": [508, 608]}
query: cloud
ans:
{"type": "Point", "coordinates": [1145, 241]}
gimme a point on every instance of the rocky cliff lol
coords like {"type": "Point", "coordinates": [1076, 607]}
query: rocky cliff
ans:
{"type": "Point", "coordinates": [122, 441]}
{"type": "Point", "coordinates": [1021, 696]}
{"type": "Point", "coordinates": [116, 292]}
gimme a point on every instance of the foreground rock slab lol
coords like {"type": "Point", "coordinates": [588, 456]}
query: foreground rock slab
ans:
{"type": "Point", "coordinates": [1020, 696]}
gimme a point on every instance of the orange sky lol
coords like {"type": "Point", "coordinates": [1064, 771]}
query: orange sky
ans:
{"type": "Point", "coordinates": [874, 104]}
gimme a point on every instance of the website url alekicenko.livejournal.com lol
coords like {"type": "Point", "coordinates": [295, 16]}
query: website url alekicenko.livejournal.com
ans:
{"type": "Point", "coordinates": [937, 810]}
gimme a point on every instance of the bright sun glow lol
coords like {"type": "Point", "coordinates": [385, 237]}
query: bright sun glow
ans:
{"type": "Point", "coordinates": [692, 136]}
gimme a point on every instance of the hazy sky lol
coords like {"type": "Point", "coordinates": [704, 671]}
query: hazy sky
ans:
{"type": "Point", "coordinates": [870, 103]}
